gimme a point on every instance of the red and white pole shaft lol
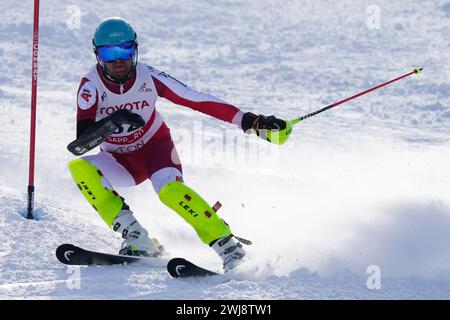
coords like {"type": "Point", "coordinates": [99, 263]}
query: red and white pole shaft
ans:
{"type": "Point", "coordinates": [309, 115]}
{"type": "Point", "coordinates": [34, 77]}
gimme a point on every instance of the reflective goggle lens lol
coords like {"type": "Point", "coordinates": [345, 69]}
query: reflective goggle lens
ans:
{"type": "Point", "coordinates": [123, 51]}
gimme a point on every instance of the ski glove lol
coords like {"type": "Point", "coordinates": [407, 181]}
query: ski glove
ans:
{"type": "Point", "coordinates": [101, 130]}
{"type": "Point", "coordinates": [124, 116]}
{"type": "Point", "coordinates": [269, 128]}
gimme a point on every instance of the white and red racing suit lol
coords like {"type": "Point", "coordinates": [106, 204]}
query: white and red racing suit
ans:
{"type": "Point", "coordinates": [130, 156]}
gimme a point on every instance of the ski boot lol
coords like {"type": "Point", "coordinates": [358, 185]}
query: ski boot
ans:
{"type": "Point", "coordinates": [229, 250]}
{"type": "Point", "coordinates": [136, 240]}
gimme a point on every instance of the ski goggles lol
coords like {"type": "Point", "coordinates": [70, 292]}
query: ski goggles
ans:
{"type": "Point", "coordinates": [122, 51]}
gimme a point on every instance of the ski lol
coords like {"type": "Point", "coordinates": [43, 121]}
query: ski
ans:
{"type": "Point", "coordinates": [72, 255]}
{"type": "Point", "coordinates": [181, 268]}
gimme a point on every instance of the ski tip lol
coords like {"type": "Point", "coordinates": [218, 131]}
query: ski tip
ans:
{"type": "Point", "coordinates": [177, 266]}
{"type": "Point", "coordinates": [182, 268]}
{"type": "Point", "coordinates": [64, 251]}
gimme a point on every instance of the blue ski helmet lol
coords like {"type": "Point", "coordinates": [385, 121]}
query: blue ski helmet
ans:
{"type": "Point", "coordinates": [114, 31]}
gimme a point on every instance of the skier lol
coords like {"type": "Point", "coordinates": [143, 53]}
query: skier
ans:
{"type": "Point", "coordinates": [116, 110]}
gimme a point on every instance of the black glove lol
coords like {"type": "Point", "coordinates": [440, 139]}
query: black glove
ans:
{"type": "Point", "coordinates": [269, 128]}
{"type": "Point", "coordinates": [124, 116]}
{"type": "Point", "coordinates": [261, 122]}
{"type": "Point", "coordinates": [99, 131]}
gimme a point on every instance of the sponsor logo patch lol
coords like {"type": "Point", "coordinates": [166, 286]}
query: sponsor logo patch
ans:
{"type": "Point", "coordinates": [144, 88]}
{"type": "Point", "coordinates": [170, 77]}
{"type": "Point", "coordinates": [132, 106]}
{"type": "Point", "coordinates": [87, 96]}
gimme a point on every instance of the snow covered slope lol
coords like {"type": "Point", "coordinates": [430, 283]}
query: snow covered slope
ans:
{"type": "Point", "coordinates": [366, 184]}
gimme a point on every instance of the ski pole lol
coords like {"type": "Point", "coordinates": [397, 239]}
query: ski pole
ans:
{"type": "Point", "coordinates": [309, 115]}
{"type": "Point", "coordinates": [281, 136]}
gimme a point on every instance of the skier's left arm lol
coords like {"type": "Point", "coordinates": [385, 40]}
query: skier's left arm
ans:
{"type": "Point", "coordinates": [269, 128]}
{"type": "Point", "coordinates": [179, 93]}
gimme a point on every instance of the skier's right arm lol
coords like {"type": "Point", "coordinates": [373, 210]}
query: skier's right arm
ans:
{"type": "Point", "coordinates": [87, 102]}
{"type": "Point", "coordinates": [91, 133]}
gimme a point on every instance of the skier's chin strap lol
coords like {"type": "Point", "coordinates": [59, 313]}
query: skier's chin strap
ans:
{"type": "Point", "coordinates": [111, 78]}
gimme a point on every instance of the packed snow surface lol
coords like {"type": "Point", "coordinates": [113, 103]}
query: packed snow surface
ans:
{"type": "Point", "coordinates": [356, 205]}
